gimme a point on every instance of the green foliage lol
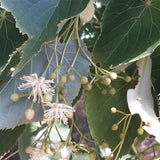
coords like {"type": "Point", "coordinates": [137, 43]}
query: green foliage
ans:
{"type": "Point", "coordinates": [12, 113]}
{"type": "Point", "coordinates": [33, 131]}
{"type": "Point", "coordinates": [7, 72]}
{"type": "Point", "coordinates": [89, 34]}
{"type": "Point", "coordinates": [120, 32]}
{"type": "Point", "coordinates": [39, 20]}
{"type": "Point", "coordinates": [9, 137]}
{"type": "Point", "coordinates": [100, 118]}
{"type": "Point", "coordinates": [10, 38]}
{"type": "Point", "coordinates": [130, 31]}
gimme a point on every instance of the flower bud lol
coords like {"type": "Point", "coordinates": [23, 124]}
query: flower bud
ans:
{"type": "Point", "coordinates": [112, 91]}
{"type": "Point", "coordinates": [114, 127]}
{"type": "Point", "coordinates": [127, 79]}
{"type": "Point", "coordinates": [113, 110]}
{"type": "Point", "coordinates": [113, 75]}
{"type": "Point", "coordinates": [140, 131]}
{"type": "Point", "coordinates": [48, 97]}
{"type": "Point", "coordinates": [29, 113]}
{"type": "Point", "coordinates": [14, 97]}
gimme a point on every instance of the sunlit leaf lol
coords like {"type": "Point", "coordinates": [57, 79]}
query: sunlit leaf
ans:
{"type": "Point", "coordinates": [130, 31]}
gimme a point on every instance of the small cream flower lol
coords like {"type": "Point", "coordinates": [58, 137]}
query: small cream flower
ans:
{"type": "Point", "coordinates": [39, 154]}
{"type": "Point", "coordinates": [39, 86]}
{"type": "Point", "coordinates": [59, 112]}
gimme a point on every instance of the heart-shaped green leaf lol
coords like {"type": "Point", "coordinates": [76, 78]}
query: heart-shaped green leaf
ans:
{"type": "Point", "coordinates": [39, 20]}
{"type": "Point", "coordinates": [130, 31]}
{"type": "Point", "coordinates": [13, 113]}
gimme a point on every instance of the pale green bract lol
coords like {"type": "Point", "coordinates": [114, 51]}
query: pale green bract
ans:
{"type": "Point", "coordinates": [140, 100]}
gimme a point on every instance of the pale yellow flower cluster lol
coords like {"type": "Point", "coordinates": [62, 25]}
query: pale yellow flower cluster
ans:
{"type": "Point", "coordinates": [58, 112]}
{"type": "Point", "coordinates": [39, 86]}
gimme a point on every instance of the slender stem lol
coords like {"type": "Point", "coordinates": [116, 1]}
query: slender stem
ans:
{"type": "Point", "coordinates": [51, 126]}
{"type": "Point", "coordinates": [42, 106]}
{"type": "Point", "coordinates": [148, 148]}
{"type": "Point", "coordinates": [69, 135]}
{"type": "Point", "coordinates": [64, 50]}
{"type": "Point", "coordinates": [134, 149]}
{"type": "Point", "coordinates": [120, 77]}
{"type": "Point", "coordinates": [79, 43]}
{"type": "Point", "coordinates": [122, 141]}
{"type": "Point", "coordinates": [57, 78]}
{"type": "Point", "coordinates": [124, 125]}
{"type": "Point", "coordinates": [105, 71]}
{"type": "Point", "coordinates": [32, 105]}
{"type": "Point", "coordinates": [115, 149]}
{"type": "Point", "coordinates": [58, 133]}
{"type": "Point", "coordinates": [122, 112]}
{"type": "Point", "coordinates": [82, 134]}
{"type": "Point", "coordinates": [24, 95]}
{"type": "Point", "coordinates": [44, 73]}
{"type": "Point", "coordinates": [121, 120]}
{"type": "Point", "coordinates": [92, 79]}
{"type": "Point", "coordinates": [141, 124]}
{"type": "Point", "coordinates": [76, 72]}
{"type": "Point", "coordinates": [67, 29]}
{"type": "Point", "coordinates": [12, 154]}
{"type": "Point", "coordinates": [74, 60]}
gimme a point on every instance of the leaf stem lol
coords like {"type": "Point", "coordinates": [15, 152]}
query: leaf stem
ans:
{"type": "Point", "coordinates": [44, 73]}
{"type": "Point", "coordinates": [122, 141]}
{"type": "Point", "coordinates": [58, 133]}
{"type": "Point", "coordinates": [79, 43]}
{"type": "Point", "coordinates": [57, 78]}
{"type": "Point", "coordinates": [69, 135]}
{"type": "Point", "coordinates": [24, 95]}
{"type": "Point", "coordinates": [74, 60]}
{"type": "Point", "coordinates": [12, 154]}
{"type": "Point", "coordinates": [82, 134]}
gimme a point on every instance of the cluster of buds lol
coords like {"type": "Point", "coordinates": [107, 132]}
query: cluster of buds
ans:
{"type": "Point", "coordinates": [45, 152]}
{"type": "Point", "coordinates": [42, 91]}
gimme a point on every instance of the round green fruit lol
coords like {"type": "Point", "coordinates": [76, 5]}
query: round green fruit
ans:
{"type": "Point", "coordinates": [64, 91]}
{"type": "Point", "coordinates": [112, 91]}
{"type": "Point", "coordinates": [88, 87]}
{"type": "Point", "coordinates": [127, 79]}
{"type": "Point", "coordinates": [114, 127]}
{"type": "Point", "coordinates": [106, 81]}
{"type": "Point", "coordinates": [140, 131]}
{"type": "Point", "coordinates": [53, 75]}
{"type": "Point", "coordinates": [63, 80]}
{"type": "Point", "coordinates": [103, 91]}
{"type": "Point", "coordinates": [71, 78]}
